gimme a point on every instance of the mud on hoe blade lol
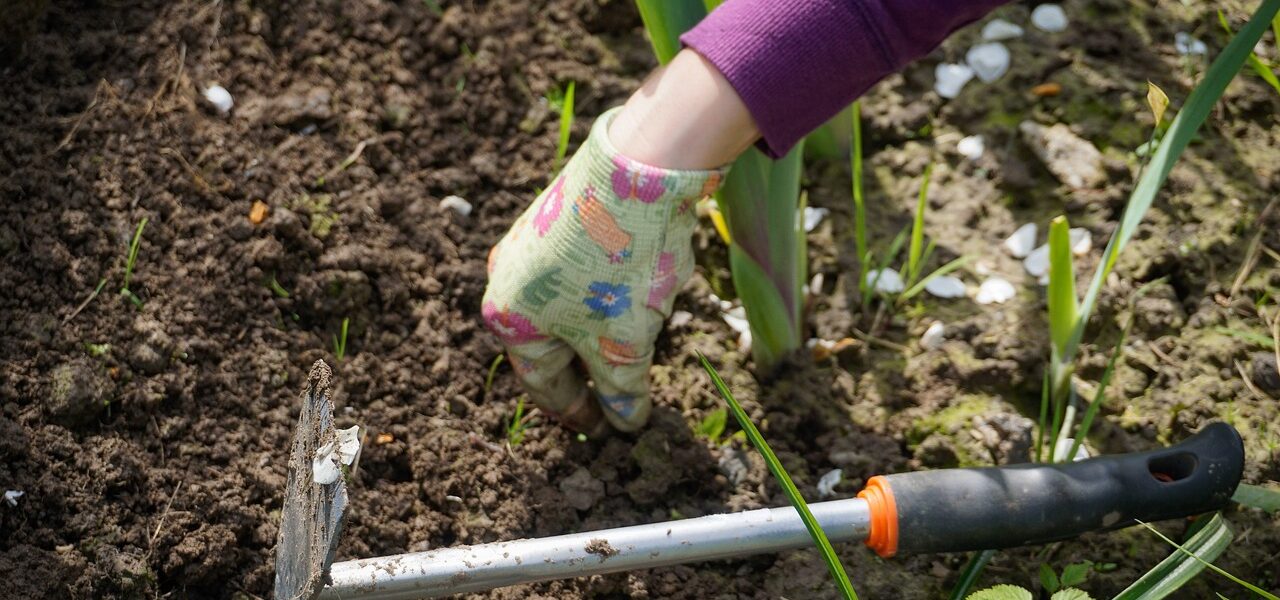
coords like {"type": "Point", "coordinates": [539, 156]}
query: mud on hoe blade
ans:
{"type": "Point", "coordinates": [948, 510]}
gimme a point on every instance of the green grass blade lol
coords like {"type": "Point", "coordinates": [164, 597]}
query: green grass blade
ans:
{"type": "Point", "coordinates": [132, 259]}
{"type": "Point", "coordinates": [917, 231]}
{"type": "Point", "coordinates": [1063, 307]}
{"type": "Point", "coordinates": [1257, 66]}
{"type": "Point", "coordinates": [665, 20]}
{"type": "Point", "coordinates": [894, 247]}
{"type": "Point", "coordinates": [1205, 563]}
{"type": "Point", "coordinates": [1181, 566]}
{"type": "Point", "coordinates": [1044, 417]}
{"type": "Point", "coordinates": [1101, 395]}
{"type": "Point", "coordinates": [566, 124]}
{"type": "Point", "coordinates": [784, 481]}
{"type": "Point", "coordinates": [971, 572]}
{"type": "Point", "coordinates": [1248, 336]}
{"type": "Point", "coordinates": [1194, 112]}
{"type": "Point", "coordinates": [1256, 496]}
{"type": "Point", "coordinates": [859, 201]}
{"type": "Point", "coordinates": [939, 272]}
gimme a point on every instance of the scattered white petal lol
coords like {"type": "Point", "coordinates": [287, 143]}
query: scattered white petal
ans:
{"type": "Point", "coordinates": [1064, 446]}
{"type": "Point", "coordinates": [949, 79]}
{"type": "Point", "coordinates": [452, 498]}
{"type": "Point", "coordinates": [885, 280]}
{"type": "Point", "coordinates": [1043, 280]}
{"type": "Point", "coordinates": [1037, 263]}
{"type": "Point", "coordinates": [349, 444]}
{"type": "Point", "coordinates": [971, 147]}
{"type": "Point", "coordinates": [680, 318]}
{"type": "Point", "coordinates": [933, 336]}
{"type": "Point", "coordinates": [827, 484]}
{"type": "Point", "coordinates": [984, 268]}
{"type": "Point", "coordinates": [989, 61]}
{"type": "Point", "coordinates": [456, 204]}
{"type": "Point", "coordinates": [1049, 17]}
{"type": "Point", "coordinates": [1081, 240]}
{"type": "Point", "coordinates": [11, 497]}
{"type": "Point", "coordinates": [1022, 242]}
{"type": "Point", "coordinates": [324, 467]}
{"type": "Point", "coordinates": [219, 97]}
{"type": "Point", "coordinates": [736, 318]}
{"type": "Point", "coordinates": [1188, 45]}
{"type": "Point", "coordinates": [945, 286]}
{"type": "Point", "coordinates": [815, 284]}
{"type": "Point", "coordinates": [813, 216]}
{"type": "Point", "coordinates": [1000, 29]}
{"type": "Point", "coordinates": [995, 291]}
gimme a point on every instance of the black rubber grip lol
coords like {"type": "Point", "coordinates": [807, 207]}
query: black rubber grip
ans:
{"type": "Point", "coordinates": [954, 510]}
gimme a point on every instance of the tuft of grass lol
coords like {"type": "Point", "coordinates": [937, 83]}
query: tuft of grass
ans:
{"type": "Point", "coordinates": [340, 341]}
{"type": "Point", "coordinates": [784, 481]}
{"type": "Point", "coordinates": [1218, 530]}
{"type": "Point", "coordinates": [493, 369]}
{"type": "Point", "coordinates": [566, 124]}
{"type": "Point", "coordinates": [916, 253]}
{"type": "Point", "coordinates": [712, 425]}
{"type": "Point", "coordinates": [130, 262]}
{"type": "Point", "coordinates": [518, 424]}
{"type": "Point", "coordinates": [1256, 496]}
{"type": "Point", "coordinates": [276, 288]}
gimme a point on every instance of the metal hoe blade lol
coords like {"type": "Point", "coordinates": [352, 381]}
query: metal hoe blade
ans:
{"type": "Point", "coordinates": [311, 519]}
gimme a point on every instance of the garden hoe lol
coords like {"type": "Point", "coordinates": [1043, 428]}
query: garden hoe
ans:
{"type": "Point", "coordinates": [947, 510]}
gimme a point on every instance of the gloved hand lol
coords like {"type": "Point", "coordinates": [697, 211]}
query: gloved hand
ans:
{"type": "Point", "coordinates": [590, 270]}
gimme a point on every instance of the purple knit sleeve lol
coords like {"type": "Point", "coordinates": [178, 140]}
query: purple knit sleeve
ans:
{"type": "Point", "coordinates": [795, 63]}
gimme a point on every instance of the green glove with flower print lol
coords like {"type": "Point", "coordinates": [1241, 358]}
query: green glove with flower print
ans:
{"type": "Point", "coordinates": [590, 271]}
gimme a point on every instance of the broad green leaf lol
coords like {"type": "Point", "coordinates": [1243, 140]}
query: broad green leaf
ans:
{"type": "Point", "coordinates": [1001, 592]}
{"type": "Point", "coordinates": [1184, 126]}
{"type": "Point", "coordinates": [712, 425]}
{"type": "Point", "coordinates": [665, 20]}
{"type": "Point", "coordinates": [784, 481]}
{"type": "Point", "coordinates": [1206, 563]}
{"type": "Point", "coordinates": [1256, 496]}
{"type": "Point", "coordinates": [1071, 594]}
{"type": "Point", "coordinates": [1157, 100]}
{"type": "Point", "coordinates": [1181, 566]}
{"type": "Point", "coordinates": [1075, 573]}
{"type": "Point", "coordinates": [772, 333]}
{"type": "Point", "coordinates": [1062, 285]}
{"type": "Point", "coordinates": [1048, 578]}
{"type": "Point", "coordinates": [972, 570]}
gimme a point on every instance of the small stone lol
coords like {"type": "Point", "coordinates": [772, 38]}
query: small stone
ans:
{"type": "Point", "coordinates": [946, 286]}
{"type": "Point", "coordinates": [733, 463]}
{"type": "Point", "coordinates": [220, 98]}
{"type": "Point", "coordinates": [582, 490]}
{"type": "Point", "coordinates": [1072, 159]}
{"type": "Point", "coordinates": [77, 393]}
{"type": "Point", "coordinates": [1049, 17]}
{"type": "Point", "coordinates": [456, 204]}
{"type": "Point", "coordinates": [995, 291]}
{"type": "Point", "coordinates": [1187, 45]}
{"type": "Point", "coordinates": [949, 79]}
{"type": "Point", "coordinates": [886, 280]}
{"type": "Point", "coordinates": [933, 336]}
{"type": "Point", "coordinates": [1022, 242]}
{"type": "Point", "coordinates": [827, 484]}
{"type": "Point", "coordinates": [1265, 374]}
{"type": "Point", "coordinates": [989, 61]}
{"type": "Point", "coordinates": [1037, 263]}
{"type": "Point", "coordinates": [971, 147]}
{"type": "Point", "coordinates": [1000, 29]}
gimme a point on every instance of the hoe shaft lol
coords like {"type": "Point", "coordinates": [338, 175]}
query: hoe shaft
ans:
{"type": "Point", "coordinates": [474, 568]}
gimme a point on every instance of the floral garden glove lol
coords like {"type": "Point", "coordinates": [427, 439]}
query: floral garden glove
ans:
{"type": "Point", "coordinates": [590, 270]}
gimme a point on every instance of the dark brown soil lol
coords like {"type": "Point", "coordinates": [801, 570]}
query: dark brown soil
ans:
{"type": "Point", "coordinates": [151, 441]}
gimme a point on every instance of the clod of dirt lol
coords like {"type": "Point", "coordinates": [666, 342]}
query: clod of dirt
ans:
{"type": "Point", "coordinates": [1072, 159]}
{"type": "Point", "coordinates": [600, 547]}
{"type": "Point", "coordinates": [581, 489]}
{"type": "Point", "coordinates": [1265, 374]}
{"type": "Point", "coordinates": [297, 107]}
{"type": "Point", "coordinates": [77, 393]}
{"type": "Point", "coordinates": [151, 353]}
{"type": "Point", "coordinates": [657, 473]}
{"type": "Point", "coordinates": [1006, 435]}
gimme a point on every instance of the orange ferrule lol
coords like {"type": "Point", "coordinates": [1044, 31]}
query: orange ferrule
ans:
{"type": "Point", "coordinates": [884, 516]}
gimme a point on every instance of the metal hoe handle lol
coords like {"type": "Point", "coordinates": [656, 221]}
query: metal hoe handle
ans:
{"type": "Point", "coordinates": [475, 568]}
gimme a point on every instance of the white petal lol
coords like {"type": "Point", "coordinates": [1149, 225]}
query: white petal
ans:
{"type": "Point", "coordinates": [971, 147]}
{"type": "Point", "coordinates": [1186, 44]}
{"type": "Point", "coordinates": [456, 204]}
{"type": "Point", "coordinates": [219, 97]}
{"type": "Point", "coordinates": [348, 444]}
{"type": "Point", "coordinates": [949, 78]}
{"type": "Point", "coordinates": [1049, 17]}
{"type": "Point", "coordinates": [1081, 240]}
{"type": "Point", "coordinates": [1037, 263]}
{"type": "Point", "coordinates": [945, 286]}
{"type": "Point", "coordinates": [989, 61]}
{"type": "Point", "coordinates": [1064, 446]}
{"type": "Point", "coordinates": [324, 467]}
{"type": "Point", "coordinates": [885, 280]}
{"type": "Point", "coordinates": [680, 318]}
{"type": "Point", "coordinates": [1022, 241]}
{"type": "Point", "coordinates": [827, 484]}
{"type": "Point", "coordinates": [11, 496]}
{"type": "Point", "coordinates": [1000, 29]}
{"type": "Point", "coordinates": [933, 336]}
{"type": "Point", "coordinates": [737, 319]}
{"type": "Point", "coordinates": [995, 291]}
{"type": "Point", "coordinates": [1043, 280]}
{"type": "Point", "coordinates": [813, 216]}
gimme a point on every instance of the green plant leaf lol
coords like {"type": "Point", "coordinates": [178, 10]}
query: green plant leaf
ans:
{"type": "Point", "coordinates": [859, 203]}
{"type": "Point", "coordinates": [1248, 336]}
{"type": "Point", "coordinates": [771, 337]}
{"type": "Point", "coordinates": [1001, 592]}
{"type": "Point", "coordinates": [665, 20]}
{"type": "Point", "coordinates": [566, 125]}
{"type": "Point", "coordinates": [1063, 307]}
{"type": "Point", "coordinates": [914, 262]}
{"type": "Point", "coordinates": [1205, 562]}
{"type": "Point", "coordinates": [1158, 101]}
{"type": "Point", "coordinates": [712, 425]}
{"type": "Point", "coordinates": [939, 272]}
{"type": "Point", "coordinates": [1181, 566]}
{"type": "Point", "coordinates": [1075, 574]}
{"type": "Point", "coordinates": [1070, 594]}
{"type": "Point", "coordinates": [972, 570]}
{"type": "Point", "coordinates": [1188, 120]}
{"type": "Point", "coordinates": [1256, 496]}
{"type": "Point", "coordinates": [784, 481]}
{"type": "Point", "coordinates": [1049, 579]}
{"type": "Point", "coordinates": [1262, 70]}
